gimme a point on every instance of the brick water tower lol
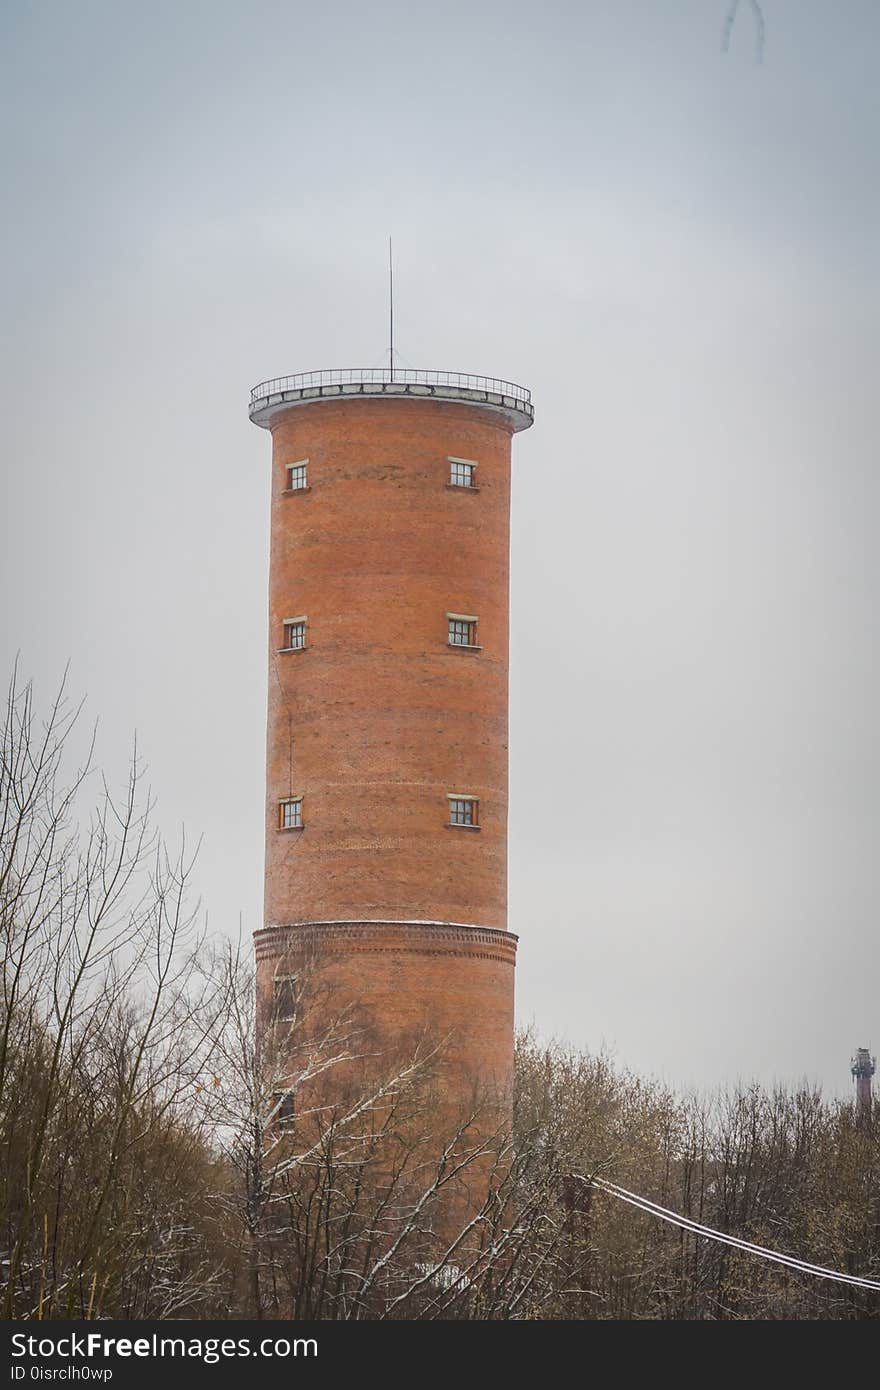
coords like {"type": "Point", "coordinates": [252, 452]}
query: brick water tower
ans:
{"type": "Point", "coordinates": [387, 757]}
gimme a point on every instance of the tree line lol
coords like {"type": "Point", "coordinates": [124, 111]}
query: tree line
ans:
{"type": "Point", "coordinates": [162, 1157]}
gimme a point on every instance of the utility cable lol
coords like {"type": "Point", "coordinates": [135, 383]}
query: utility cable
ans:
{"type": "Point", "coordinates": [709, 1233]}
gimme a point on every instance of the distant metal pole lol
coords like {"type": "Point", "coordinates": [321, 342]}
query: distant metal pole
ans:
{"type": "Point", "coordinates": [863, 1067]}
{"type": "Point", "coordinates": [391, 304]}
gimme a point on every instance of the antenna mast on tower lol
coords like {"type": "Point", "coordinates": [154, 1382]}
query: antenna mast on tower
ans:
{"type": "Point", "coordinates": [391, 306]}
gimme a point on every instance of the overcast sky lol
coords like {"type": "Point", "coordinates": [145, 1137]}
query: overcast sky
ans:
{"type": "Point", "coordinates": [675, 248]}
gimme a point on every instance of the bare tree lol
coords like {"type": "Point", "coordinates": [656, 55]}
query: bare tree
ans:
{"type": "Point", "coordinates": [346, 1184]}
{"type": "Point", "coordinates": [107, 1019]}
{"type": "Point", "coordinates": [171, 1145]}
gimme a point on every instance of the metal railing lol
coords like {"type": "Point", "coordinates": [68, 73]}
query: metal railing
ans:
{"type": "Point", "coordinates": [369, 376]}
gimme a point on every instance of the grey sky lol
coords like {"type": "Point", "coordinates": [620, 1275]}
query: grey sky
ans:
{"type": "Point", "coordinates": [675, 249]}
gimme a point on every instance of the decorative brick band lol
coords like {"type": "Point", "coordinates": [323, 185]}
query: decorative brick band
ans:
{"type": "Point", "coordinates": [382, 938]}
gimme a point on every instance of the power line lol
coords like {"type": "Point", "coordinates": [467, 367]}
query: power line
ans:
{"type": "Point", "coordinates": [709, 1233]}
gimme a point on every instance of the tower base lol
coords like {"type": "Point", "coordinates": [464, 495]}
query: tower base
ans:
{"type": "Point", "coordinates": [396, 987]}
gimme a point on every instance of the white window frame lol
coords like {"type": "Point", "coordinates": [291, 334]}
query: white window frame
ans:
{"type": "Point", "coordinates": [472, 621]}
{"type": "Point", "coordinates": [289, 469]}
{"type": "Point", "coordinates": [457, 464]}
{"type": "Point", "coordinates": [282, 810]}
{"type": "Point", "coordinates": [287, 625]}
{"type": "Point", "coordinates": [473, 801]}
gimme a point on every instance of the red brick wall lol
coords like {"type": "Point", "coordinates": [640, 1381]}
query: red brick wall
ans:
{"type": "Point", "coordinates": [450, 985]}
{"type": "Point", "coordinates": [386, 719]}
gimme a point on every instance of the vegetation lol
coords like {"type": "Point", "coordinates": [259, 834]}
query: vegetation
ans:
{"type": "Point", "coordinates": [158, 1163]}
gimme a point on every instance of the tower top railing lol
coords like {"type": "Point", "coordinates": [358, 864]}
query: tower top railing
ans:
{"type": "Point", "coordinates": [403, 376]}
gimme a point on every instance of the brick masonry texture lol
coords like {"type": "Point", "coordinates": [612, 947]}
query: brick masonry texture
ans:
{"type": "Point", "coordinates": [378, 719]}
{"type": "Point", "coordinates": [410, 982]}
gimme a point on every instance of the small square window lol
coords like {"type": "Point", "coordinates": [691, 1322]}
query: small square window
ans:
{"type": "Point", "coordinates": [297, 476]}
{"type": "Point", "coordinates": [294, 634]}
{"type": "Point", "coordinates": [285, 999]}
{"type": "Point", "coordinates": [464, 810]}
{"type": "Point", "coordinates": [285, 1107]}
{"type": "Point", "coordinates": [462, 473]}
{"type": "Point", "coordinates": [290, 813]}
{"type": "Point", "coordinates": [462, 630]}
